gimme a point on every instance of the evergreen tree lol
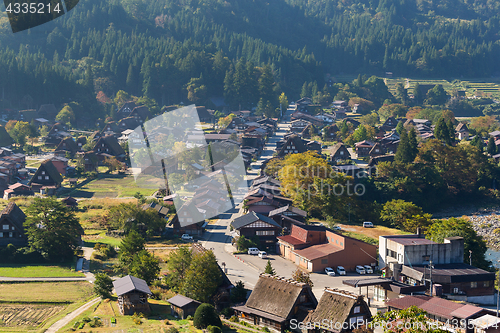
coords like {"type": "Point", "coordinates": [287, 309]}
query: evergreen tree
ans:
{"type": "Point", "coordinates": [451, 131]}
{"type": "Point", "coordinates": [401, 93]}
{"type": "Point", "coordinates": [442, 132]}
{"type": "Point", "coordinates": [269, 268]}
{"type": "Point", "coordinates": [491, 148]}
{"type": "Point", "coordinates": [477, 142]}
{"type": "Point", "coordinates": [404, 153]}
{"type": "Point", "coordinates": [400, 127]}
{"type": "Point", "coordinates": [305, 92]}
{"type": "Point", "coordinates": [412, 140]}
{"type": "Point", "coordinates": [416, 93]}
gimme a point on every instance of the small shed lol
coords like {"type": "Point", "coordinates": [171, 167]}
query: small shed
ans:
{"type": "Point", "coordinates": [182, 306]}
{"type": "Point", "coordinates": [70, 202]}
{"type": "Point", "coordinates": [132, 295]}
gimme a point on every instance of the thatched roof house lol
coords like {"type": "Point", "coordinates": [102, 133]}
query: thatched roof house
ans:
{"type": "Point", "coordinates": [277, 300]}
{"type": "Point", "coordinates": [344, 311]}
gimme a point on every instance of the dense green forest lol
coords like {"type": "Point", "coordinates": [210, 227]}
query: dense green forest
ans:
{"type": "Point", "coordinates": [167, 49]}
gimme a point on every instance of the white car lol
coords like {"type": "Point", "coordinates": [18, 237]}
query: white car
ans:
{"type": "Point", "coordinates": [368, 269]}
{"type": "Point", "coordinates": [187, 237]}
{"type": "Point", "coordinates": [330, 271]}
{"type": "Point", "coordinates": [340, 270]}
{"type": "Point", "coordinates": [368, 225]}
{"type": "Point", "coordinates": [360, 269]}
{"type": "Point", "coordinates": [253, 250]}
{"type": "Point", "coordinates": [262, 254]}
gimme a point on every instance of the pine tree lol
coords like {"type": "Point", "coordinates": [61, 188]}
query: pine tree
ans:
{"type": "Point", "coordinates": [491, 148]}
{"type": "Point", "coordinates": [441, 132]}
{"type": "Point", "coordinates": [399, 127]}
{"type": "Point", "coordinates": [451, 131]}
{"type": "Point", "coordinates": [269, 268]}
{"type": "Point", "coordinates": [404, 153]}
{"type": "Point", "coordinates": [477, 142]}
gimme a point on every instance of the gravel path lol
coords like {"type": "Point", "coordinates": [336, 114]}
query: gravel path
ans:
{"type": "Point", "coordinates": [69, 317]}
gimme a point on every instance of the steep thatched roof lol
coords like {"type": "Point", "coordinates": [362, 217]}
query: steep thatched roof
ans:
{"type": "Point", "coordinates": [277, 295]}
{"type": "Point", "coordinates": [14, 214]}
{"type": "Point", "coordinates": [51, 171]}
{"type": "Point", "coordinates": [335, 306]}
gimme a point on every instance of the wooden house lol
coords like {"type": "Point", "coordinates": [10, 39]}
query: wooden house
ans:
{"type": "Point", "coordinates": [11, 222]}
{"type": "Point", "coordinates": [108, 145]}
{"type": "Point", "coordinates": [363, 148]}
{"type": "Point", "coordinates": [141, 113]}
{"type": "Point", "coordinates": [189, 220]}
{"type": "Point", "coordinates": [47, 111]}
{"type": "Point", "coordinates": [70, 202]}
{"type": "Point", "coordinates": [254, 224]}
{"type": "Point", "coordinates": [182, 306]}
{"type": "Point", "coordinates": [16, 190]}
{"type": "Point", "coordinates": [46, 176]}
{"type": "Point", "coordinates": [132, 295]}
{"type": "Point", "coordinates": [339, 311]}
{"type": "Point", "coordinates": [462, 131]}
{"type": "Point", "coordinates": [67, 144]}
{"type": "Point", "coordinates": [339, 152]}
{"type": "Point", "coordinates": [275, 301]}
{"type": "Point", "coordinates": [125, 110]}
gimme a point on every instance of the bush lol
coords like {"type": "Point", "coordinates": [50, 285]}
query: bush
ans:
{"type": "Point", "coordinates": [189, 317]}
{"type": "Point", "coordinates": [227, 312]}
{"type": "Point", "coordinates": [206, 316]}
{"type": "Point", "coordinates": [156, 294]}
{"type": "Point", "coordinates": [214, 329]}
{"type": "Point", "coordinates": [265, 329]}
{"type": "Point", "coordinates": [86, 319]}
{"type": "Point", "coordinates": [234, 319]}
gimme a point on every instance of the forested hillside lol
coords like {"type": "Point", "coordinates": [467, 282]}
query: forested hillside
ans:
{"type": "Point", "coordinates": [159, 49]}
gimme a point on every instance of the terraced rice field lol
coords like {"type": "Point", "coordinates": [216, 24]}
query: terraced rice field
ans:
{"type": "Point", "coordinates": [16, 315]}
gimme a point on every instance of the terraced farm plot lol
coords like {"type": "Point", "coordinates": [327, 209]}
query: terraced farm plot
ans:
{"type": "Point", "coordinates": [18, 315]}
{"type": "Point", "coordinates": [49, 292]}
{"type": "Point", "coordinates": [111, 186]}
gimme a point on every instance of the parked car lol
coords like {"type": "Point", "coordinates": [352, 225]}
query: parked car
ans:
{"type": "Point", "coordinates": [186, 237]}
{"type": "Point", "coordinates": [340, 270]}
{"type": "Point", "coordinates": [360, 269]}
{"type": "Point", "coordinates": [262, 254]}
{"type": "Point", "coordinates": [253, 250]}
{"type": "Point", "coordinates": [337, 227]}
{"type": "Point", "coordinates": [368, 269]}
{"type": "Point", "coordinates": [367, 225]}
{"type": "Point", "coordinates": [330, 271]}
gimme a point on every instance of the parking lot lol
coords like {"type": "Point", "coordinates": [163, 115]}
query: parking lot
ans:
{"type": "Point", "coordinates": [285, 268]}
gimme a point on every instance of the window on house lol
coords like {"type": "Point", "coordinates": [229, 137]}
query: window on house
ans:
{"type": "Point", "coordinates": [455, 290]}
{"type": "Point", "coordinates": [43, 172]}
{"type": "Point", "coordinates": [302, 298]}
{"type": "Point", "coordinates": [189, 219]}
{"type": "Point", "coordinates": [473, 284]}
{"type": "Point", "coordinates": [5, 227]}
{"type": "Point", "coordinates": [486, 284]}
{"type": "Point", "coordinates": [39, 177]}
{"type": "Point", "coordinates": [11, 235]}
{"type": "Point", "coordinates": [46, 177]}
{"type": "Point", "coordinates": [324, 261]}
{"type": "Point", "coordinates": [264, 232]}
{"type": "Point", "coordinates": [357, 309]}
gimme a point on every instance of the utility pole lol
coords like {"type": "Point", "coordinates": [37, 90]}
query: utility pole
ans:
{"type": "Point", "coordinates": [470, 257]}
{"type": "Point", "coordinates": [498, 289]}
{"type": "Point", "coordinates": [431, 267]}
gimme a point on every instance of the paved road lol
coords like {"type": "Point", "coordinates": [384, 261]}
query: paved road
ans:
{"type": "Point", "coordinates": [71, 316]}
{"type": "Point", "coordinates": [246, 267]}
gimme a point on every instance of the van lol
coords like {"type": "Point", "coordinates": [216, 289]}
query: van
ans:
{"type": "Point", "coordinates": [262, 254]}
{"type": "Point", "coordinates": [367, 225]}
{"type": "Point", "coordinates": [253, 250]}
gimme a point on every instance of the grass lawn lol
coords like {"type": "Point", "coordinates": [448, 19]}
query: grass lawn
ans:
{"type": "Point", "coordinates": [47, 292]}
{"type": "Point", "coordinates": [92, 239]}
{"type": "Point", "coordinates": [20, 270]}
{"type": "Point", "coordinates": [111, 186]}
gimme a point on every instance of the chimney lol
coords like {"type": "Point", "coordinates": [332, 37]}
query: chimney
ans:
{"type": "Point", "coordinates": [419, 232]}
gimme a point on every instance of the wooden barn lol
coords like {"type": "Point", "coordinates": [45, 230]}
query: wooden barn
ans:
{"type": "Point", "coordinates": [182, 306]}
{"type": "Point", "coordinates": [132, 295]}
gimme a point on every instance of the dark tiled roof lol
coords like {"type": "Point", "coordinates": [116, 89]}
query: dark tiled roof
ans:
{"type": "Point", "coordinates": [130, 283]}
{"type": "Point", "coordinates": [250, 218]}
{"type": "Point", "coordinates": [181, 301]}
{"type": "Point", "coordinates": [51, 170]}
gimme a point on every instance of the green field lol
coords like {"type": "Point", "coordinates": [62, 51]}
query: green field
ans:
{"type": "Point", "coordinates": [15, 270]}
{"type": "Point", "coordinates": [110, 186]}
{"type": "Point", "coordinates": [93, 237]}
{"type": "Point", "coordinates": [46, 292]}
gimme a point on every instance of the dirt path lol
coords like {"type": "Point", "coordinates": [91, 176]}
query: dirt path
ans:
{"type": "Point", "coordinates": [69, 317]}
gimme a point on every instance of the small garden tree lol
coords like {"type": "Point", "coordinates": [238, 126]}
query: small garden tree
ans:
{"type": "Point", "coordinates": [103, 285]}
{"type": "Point", "coordinates": [302, 276]}
{"type": "Point", "coordinates": [206, 316]}
{"type": "Point", "coordinates": [269, 268]}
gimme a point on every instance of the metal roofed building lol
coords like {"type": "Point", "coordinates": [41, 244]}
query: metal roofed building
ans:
{"type": "Point", "coordinates": [132, 295]}
{"type": "Point", "coordinates": [182, 306]}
